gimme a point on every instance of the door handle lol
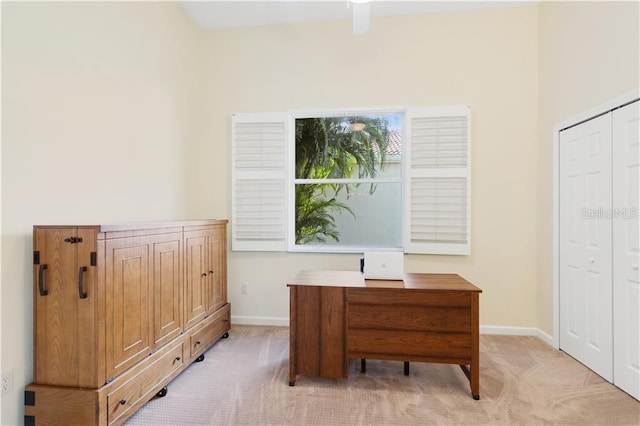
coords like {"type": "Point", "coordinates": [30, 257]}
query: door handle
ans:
{"type": "Point", "coordinates": [81, 292]}
{"type": "Point", "coordinates": [41, 289]}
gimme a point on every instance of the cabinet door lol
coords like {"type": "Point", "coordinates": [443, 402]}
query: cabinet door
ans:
{"type": "Point", "coordinates": [196, 274]}
{"type": "Point", "coordinates": [56, 306]}
{"type": "Point", "coordinates": [217, 271]}
{"type": "Point", "coordinates": [167, 297]}
{"type": "Point", "coordinates": [128, 303]}
{"type": "Point", "coordinates": [65, 324]}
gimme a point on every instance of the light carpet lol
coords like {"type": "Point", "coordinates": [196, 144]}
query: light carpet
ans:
{"type": "Point", "coordinates": [244, 381]}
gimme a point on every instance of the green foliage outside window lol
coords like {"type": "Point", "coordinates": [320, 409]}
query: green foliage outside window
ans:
{"type": "Point", "coordinates": [334, 148]}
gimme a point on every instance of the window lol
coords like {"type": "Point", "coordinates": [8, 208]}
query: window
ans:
{"type": "Point", "coordinates": [350, 182]}
{"type": "Point", "coordinates": [347, 182]}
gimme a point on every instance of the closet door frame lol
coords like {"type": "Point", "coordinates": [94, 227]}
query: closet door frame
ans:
{"type": "Point", "coordinates": [585, 116]}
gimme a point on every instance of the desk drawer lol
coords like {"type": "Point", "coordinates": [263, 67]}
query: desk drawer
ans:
{"type": "Point", "coordinates": [410, 346]}
{"type": "Point", "coordinates": [409, 318]}
{"type": "Point", "coordinates": [139, 388]}
{"type": "Point", "coordinates": [408, 297]}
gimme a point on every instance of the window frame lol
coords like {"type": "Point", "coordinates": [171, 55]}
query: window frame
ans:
{"type": "Point", "coordinates": [409, 244]}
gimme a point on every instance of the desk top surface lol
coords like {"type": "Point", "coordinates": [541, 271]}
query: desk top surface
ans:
{"type": "Point", "coordinates": [355, 279]}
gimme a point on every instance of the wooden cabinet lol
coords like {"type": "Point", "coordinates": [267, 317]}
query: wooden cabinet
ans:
{"type": "Point", "coordinates": [118, 310]}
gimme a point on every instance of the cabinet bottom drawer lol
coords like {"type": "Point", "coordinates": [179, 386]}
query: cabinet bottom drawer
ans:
{"type": "Point", "coordinates": [209, 331]}
{"type": "Point", "coordinates": [138, 390]}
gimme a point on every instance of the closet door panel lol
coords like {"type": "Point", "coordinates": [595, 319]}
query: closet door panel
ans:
{"type": "Point", "coordinates": [585, 244]}
{"type": "Point", "coordinates": [626, 248]}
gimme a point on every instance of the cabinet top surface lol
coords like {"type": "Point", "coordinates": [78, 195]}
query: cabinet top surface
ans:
{"type": "Point", "coordinates": [132, 226]}
{"type": "Point", "coordinates": [355, 279]}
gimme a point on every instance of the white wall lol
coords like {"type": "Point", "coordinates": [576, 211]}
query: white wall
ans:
{"type": "Point", "coordinates": [100, 103]}
{"type": "Point", "coordinates": [487, 59]}
{"type": "Point", "coordinates": [589, 55]}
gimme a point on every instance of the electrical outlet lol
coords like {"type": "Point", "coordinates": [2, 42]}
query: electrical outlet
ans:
{"type": "Point", "coordinates": [243, 289]}
{"type": "Point", "coordinates": [7, 381]}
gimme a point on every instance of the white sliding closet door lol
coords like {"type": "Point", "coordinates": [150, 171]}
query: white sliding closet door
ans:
{"type": "Point", "coordinates": [585, 244]}
{"type": "Point", "coordinates": [626, 248]}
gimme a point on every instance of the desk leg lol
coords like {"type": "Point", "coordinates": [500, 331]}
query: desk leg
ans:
{"type": "Point", "coordinates": [293, 302]}
{"type": "Point", "coordinates": [475, 346]}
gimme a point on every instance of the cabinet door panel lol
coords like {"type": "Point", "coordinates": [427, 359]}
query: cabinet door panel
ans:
{"type": "Point", "coordinates": [128, 303]}
{"type": "Point", "coordinates": [56, 344]}
{"type": "Point", "coordinates": [90, 325]}
{"type": "Point", "coordinates": [216, 291]}
{"type": "Point", "coordinates": [195, 277]}
{"type": "Point", "coordinates": [167, 272]}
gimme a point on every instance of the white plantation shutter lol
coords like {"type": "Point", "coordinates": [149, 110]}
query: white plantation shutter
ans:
{"type": "Point", "coordinates": [437, 187]}
{"type": "Point", "coordinates": [259, 182]}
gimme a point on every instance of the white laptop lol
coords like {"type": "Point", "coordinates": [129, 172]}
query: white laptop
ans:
{"type": "Point", "coordinates": [384, 265]}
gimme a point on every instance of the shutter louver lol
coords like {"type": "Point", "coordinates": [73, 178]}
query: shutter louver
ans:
{"type": "Point", "coordinates": [439, 142]}
{"type": "Point", "coordinates": [259, 202]}
{"type": "Point", "coordinates": [438, 210]}
{"type": "Point", "coordinates": [437, 185]}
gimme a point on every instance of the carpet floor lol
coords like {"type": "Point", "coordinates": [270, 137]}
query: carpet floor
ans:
{"type": "Point", "coordinates": [244, 381]}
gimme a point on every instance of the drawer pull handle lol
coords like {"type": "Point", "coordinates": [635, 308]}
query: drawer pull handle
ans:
{"type": "Point", "coordinates": [198, 342]}
{"type": "Point", "coordinates": [204, 274]}
{"type": "Point", "coordinates": [81, 292]}
{"type": "Point", "coordinates": [123, 401]}
{"type": "Point", "coordinates": [178, 358]}
{"type": "Point", "coordinates": [41, 288]}
{"type": "Point", "coordinates": [211, 272]}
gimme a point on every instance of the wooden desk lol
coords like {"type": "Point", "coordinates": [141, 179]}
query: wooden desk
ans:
{"type": "Point", "coordinates": [338, 315]}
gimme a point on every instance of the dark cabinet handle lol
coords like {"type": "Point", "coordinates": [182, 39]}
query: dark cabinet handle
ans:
{"type": "Point", "coordinates": [204, 274]}
{"type": "Point", "coordinates": [178, 358]}
{"type": "Point", "coordinates": [81, 292]}
{"type": "Point", "coordinates": [198, 342]}
{"type": "Point", "coordinates": [211, 272]}
{"type": "Point", "coordinates": [123, 401]}
{"type": "Point", "coordinates": [41, 289]}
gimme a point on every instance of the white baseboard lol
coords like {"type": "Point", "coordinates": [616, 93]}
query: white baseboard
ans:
{"type": "Point", "coordinates": [272, 321]}
{"type": "Point", "coordinates": [548, 339]}
{"type": "Point", "coordinates": [508, 331]}
{"type": "Point", "coordinates": [518, 331]}
{"type": "Point", "coordinates": [484, 329]}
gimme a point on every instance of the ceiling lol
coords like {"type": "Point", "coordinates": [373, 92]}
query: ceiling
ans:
{"type": "Point", "coordinates": [226, 14]}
